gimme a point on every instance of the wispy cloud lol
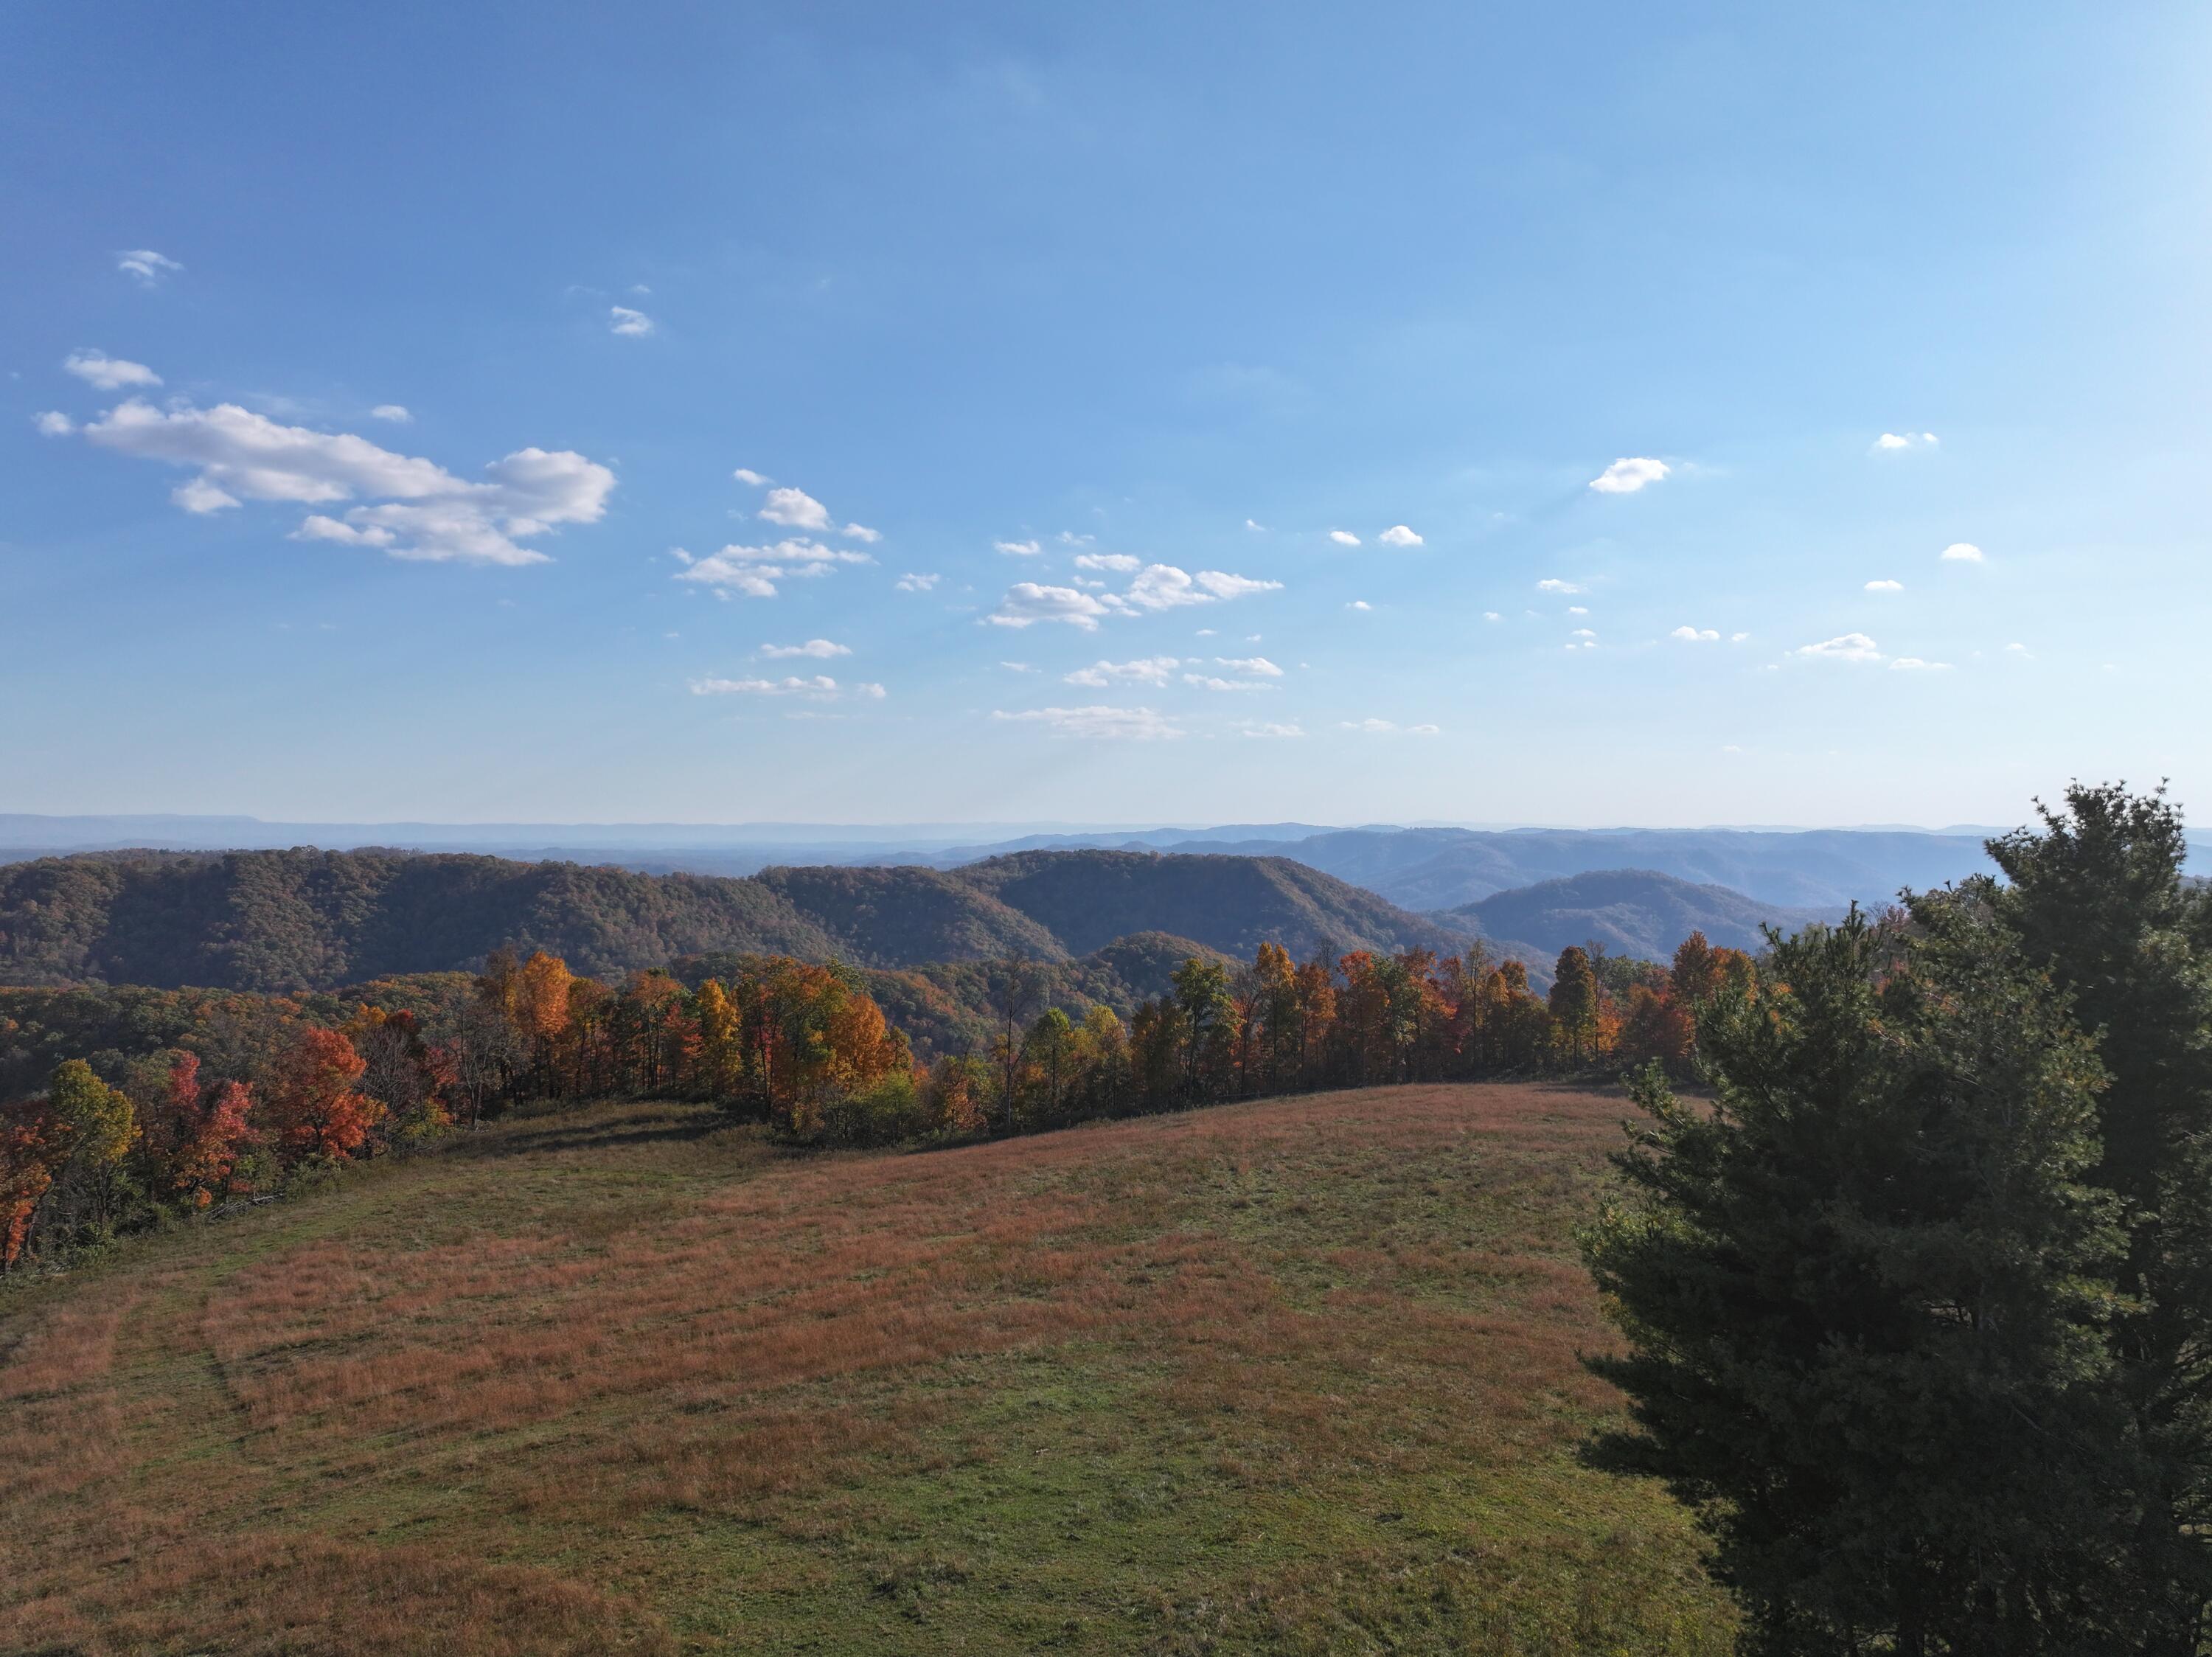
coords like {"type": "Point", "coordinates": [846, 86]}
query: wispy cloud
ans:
{"type": "Point", "coordinates": [150, 268]}
{"type": "Point", "coordinates": [1915, 665]}
{"type": "Point", "coordinates": [1259, 667]}
{"type": "Point", "coordinates": [1385, 728]}
{"type": "Point", "coordinates": [107, 373]}
{"type": "Point", "coordinates": [820, 687]}
{"type": "Point", "coordinates": [1149, 670]}
{"type": "Point", "coordinates": [820, 649]}
{"type": "Point", "coordinates": [913, 582]}
{"type": "Point", "coordinates": [1098, 724]}
{"type": "Point", "coordinates": [1028, 602]}
{"type": "Point", "coordinates": [630, 324]}
{"type": "Point", "coordinates": [397, 413]}
{"type": "Point", "coordinates": [1629, 474]}
{"type": "Point", "coordinates": [1690, 635]}
{"type": "Point", "coordinates": [1258, 728]}
{"type": "Point", "coordinates": [1018, 549]}
{"type": "Point", "coordinates": [747, 475]}
{"type": "Point", "coordinates": [1554, 585]}
{"type": "Point", "coordinates": [755, 570]}
{"type": "Point", "coordinates": [1115, 562]}
{"type": "Point", "coordinates": [1884, 587]}
{"type": "Point", "coordinates": [1849, 647]}
{"type": "Point", "coordinates": [1212, 682]}
{"type": "Point", "coordinates": [1891, 441]}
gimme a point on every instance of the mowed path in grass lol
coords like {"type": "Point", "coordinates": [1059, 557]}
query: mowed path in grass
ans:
{"type": "Point", "coordinates": [1297, 1376]}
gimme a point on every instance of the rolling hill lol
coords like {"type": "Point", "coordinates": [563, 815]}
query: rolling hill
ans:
{"type": "Point", "coordinates": [1231, 904]}
{"type": "Point", "coordinates": [1438, 870]}
{"type": "Point", "coordinates": [317, 920]}
{"type": "Point", "coordinates": [1295, 1376]}
{"type": "Point", "coordinates": [1632, 912]}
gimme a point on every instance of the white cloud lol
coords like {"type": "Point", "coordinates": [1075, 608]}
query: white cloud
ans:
{"type": "Point", "coordinates": [1027, 603]}
{"type": "Point", "coordinates": [1553, 585]}
{"type": "Point", "coordinates": [1398, 535]}
{"type": "Point", "coordinates": [1119, 562]}
{"type": "Point", "coordinates": [1850, 647]}
{"type": "Point", "coordinates": [1254, 523]}
{"type": "Point", "coordinates": [53, 423]}
{"type": "Point", "coordinates": [1206, 632]}
{"type": "Point", "coordinates": [1884, 587]}
{"type": "Point", "coordinates": [1491, 615]}
{"type": "Point", "coordinates": [862, 533]}
{"type": "Point", "coordinates": [1257, 666]}
{"type": "Point", "coordinates": [755, 570]}
{"type": "Point", "coordinates": [2019, 650]}
{"type": "Point", "coordinates": [1738, 638]}
{"type": "Point", "coordinates": [1578, 610]}
{"type": "Point", "coordinates": [1694, 635]}
{"type": "Point", "coordinates": [911, 582]}
{"type": "Point", "coordinates": [1163, 586]}
{"type": "Point", "coordinates": [630, 325]}
{"type": "Point", "coordinates": [1149, 670]}
{"type": "Point", "coordinates": [1019, 667]}
{"type": "Point", "coordinates": [1385, 728]}
{"type": "Point", "coordinates": [820, 688]}
{"type": "Point", "coordinates": [1915, 665]}
{"type": "Point", "coordinates": [1018, 549]}
{"type": "Point", "coordinates": [397, 413]}
{"type": "Point", "coordinates": [148, 266]}
{"type": "Point", "coordinates": [1962, 552]}
{"type": "Point", "coordinates": [747, 475]}
{"type": "Point", "coordinates": [820, 649]}
{"type": "Point", "coordinates": [1344, 538]}
{"type": "Point", "coordinates": [1628, 474]}
{"type": "Point", "coordinates": [1210, 682]}
{"type": "Point", "coordinates": [1259, 730]}
{"type": "Point", "coordinates": [1360, 604]}
{"type": "Point", "coordinates": [428, 513]}
{"type": "Point", "coordinates": [1584, 632]}
{"type": "Point", "coordinates": [1098, 724]}
{"type": "Point", "coordinates": [795, 508]}
{"type": "Point", "coordinates": [197, 495]}
{"type": "Point", "coordinates": [1069, 538]}
{"type": "Point", "coordinates": [108, 373]}
{"type": "Point", "coordinates": [1890, 442]}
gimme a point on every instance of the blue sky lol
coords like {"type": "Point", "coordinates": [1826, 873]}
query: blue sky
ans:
{"type": "Point", "coordinates": [382, 381]}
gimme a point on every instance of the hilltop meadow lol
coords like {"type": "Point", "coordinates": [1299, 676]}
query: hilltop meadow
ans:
{"type": "Point", "coordinates": [1292, 1375]}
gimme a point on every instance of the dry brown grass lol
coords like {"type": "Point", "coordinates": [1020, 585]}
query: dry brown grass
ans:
{"type": "Point", "coordinates": [504, 1400]}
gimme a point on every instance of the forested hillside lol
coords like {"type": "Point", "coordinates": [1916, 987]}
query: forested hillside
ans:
{"type": "Point", "coordinates": [315, 920]}
{"type": "Point", "coordinates": [1631, 911]}
{"type": "Point", "coordinates": [1088, 899]}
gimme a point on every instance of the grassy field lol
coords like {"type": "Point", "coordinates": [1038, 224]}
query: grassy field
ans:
{"type": "Point", "coordinates": [1298, 1375]}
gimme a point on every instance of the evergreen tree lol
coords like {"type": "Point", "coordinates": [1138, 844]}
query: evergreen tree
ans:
{"type": "Point", "coordinates": [1864, 1295]}
{"type": "Point", "coordinates": [2099, 896]}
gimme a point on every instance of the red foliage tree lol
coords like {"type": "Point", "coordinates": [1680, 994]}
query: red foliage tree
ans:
{"type": "Point", "coordinates": [312, 1099]}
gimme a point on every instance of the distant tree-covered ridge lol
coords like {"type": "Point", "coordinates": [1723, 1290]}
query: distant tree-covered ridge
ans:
{"type": "Point", "coordinates": [304, 920]}
{"type": "Point", "coordinates": [1631, 911]}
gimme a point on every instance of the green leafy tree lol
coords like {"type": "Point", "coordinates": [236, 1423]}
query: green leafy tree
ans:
{"type": "Point", "coordinates": [1864, 1296]}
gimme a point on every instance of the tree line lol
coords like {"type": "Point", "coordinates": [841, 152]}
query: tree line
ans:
{"type": "Point", "coordinates": [254, 1095]}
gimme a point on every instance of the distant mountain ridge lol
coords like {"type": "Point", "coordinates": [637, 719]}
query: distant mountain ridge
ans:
{"type": "Point", "coordinates": [1632, 912]}
{"type": "Point", "coordinates": [1811, 868]}
{"type": "Point", "coordinates": [312, 920]}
